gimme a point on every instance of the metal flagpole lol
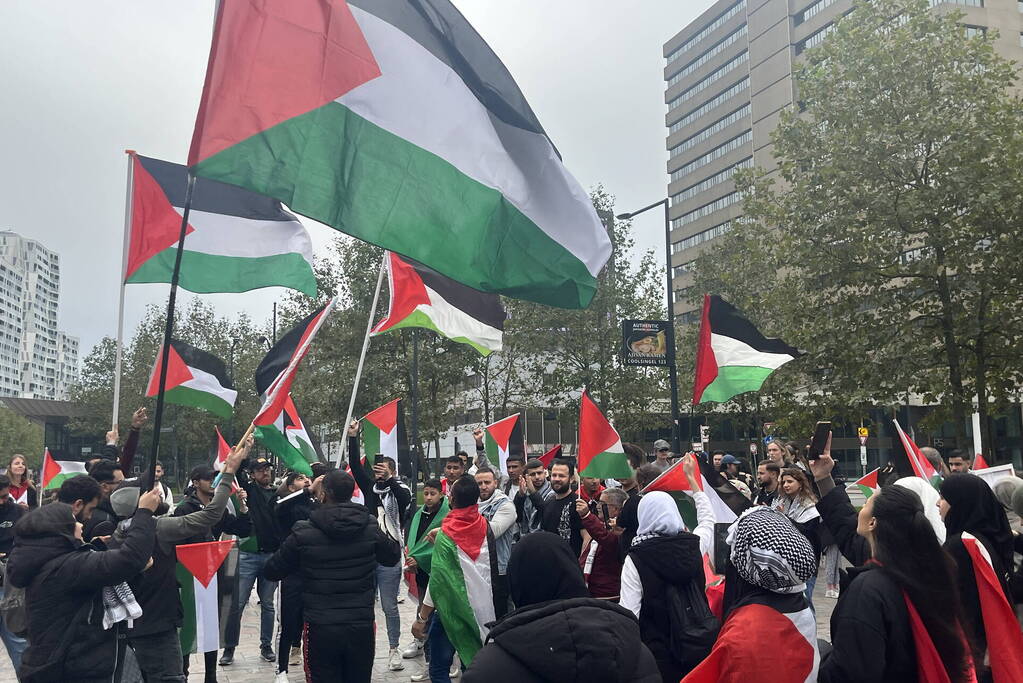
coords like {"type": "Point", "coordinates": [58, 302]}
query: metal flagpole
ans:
{"type": "Point", "coordinates": [362, 357]}
{"type": "Point", "coordinates": [120, 306]}
{"type": "Point", "coordinates": [415, 408]}
{"type": "Point", "coordinates": [168, 330]}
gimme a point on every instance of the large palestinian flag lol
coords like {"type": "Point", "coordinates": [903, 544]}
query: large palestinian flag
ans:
{"type": "Point", "coordinates": [56, 471]}
{"type": "Point", "coordinates": [421, 297]}
{"type": "Point", "coordinates": [236, 240]}
{"type": "Point", "coordinates": [733, 357]}
{"type": "Point", "coordinates": [288, 439]}
{"type": "Point", "coordinates": [396, 123]}
{"type": "Point", "coordinates": [503, 438]}
{"type": "Point", "coordinates": [909, 460]}
{"type": "Point", "coordinates": [383, 432]}
{"type": "Point", "coordinates": [197, 578]}
{"type": "Point", "coordinates": [194, 378]}
{"type": "Point", "coordinates": [600, 448]}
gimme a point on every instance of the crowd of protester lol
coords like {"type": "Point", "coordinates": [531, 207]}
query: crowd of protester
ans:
{"type": "Point", "coordinates": [569, 577]}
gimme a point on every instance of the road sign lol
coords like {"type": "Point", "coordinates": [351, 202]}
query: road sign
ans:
{"type": "Point", "coordinates": [768, 428]}
{"type": "Point", "coordinates": [863, 433]}
{"type": "Point", "coordinates": [863, 456]}
{"type": "Point", "coordinates": [697, 446]}
{"type": "Point", "coordinates": [753, 449]}
{"type": "Point", "coordinates": [863, 441]}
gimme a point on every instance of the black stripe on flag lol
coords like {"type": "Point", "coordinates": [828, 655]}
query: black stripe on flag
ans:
{"type": "Point", "coordinates": [278, 357]}
{"type": "Point", "coordinates": [441, 29]}
{"type": "Point", "coordinates": [212, 196]}
{"type": "Point", "coordinates": [203, 360]}
{"type": "Point", "coordinates": [482, 306]}
{"type": "Point", "coordinates": [726, 320]}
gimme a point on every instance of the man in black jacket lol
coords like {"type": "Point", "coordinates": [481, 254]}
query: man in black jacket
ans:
{"type": "Point", "coordinates": [10, 513]}
{"type": "Point", "coordinates": [336, 552]}
{"type": "Point", "coordinates": [63, 580]}
{"type": "Point", "coordinates": [103, 520]}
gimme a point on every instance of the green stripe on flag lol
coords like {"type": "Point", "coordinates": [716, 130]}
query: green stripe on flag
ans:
{"type": "Point", "coordinates": [186, 396]}
{"type": "Point", "coordinates": [60, 479]}
{"type": "Point", "coordinates": [420, 319]}
{"type": "Point", "coordinates": [733, 380]}
{"type": "Point", "coordinates": [370, 438]}
{"type": "Point", "coordinates": [492, 450]}
{"type": "Point", "coordinates": [335, 166]}
{"type": "Point", "coordinates": [278, 444]}
{"type": "Point", "coordinates": [187, 634]}
{"type": "Point", "coordinates": [205, 273]}
{"type": "Point", "coordinates": [447, 587]}
{"type": "Point", "coordinates": [608, 465]}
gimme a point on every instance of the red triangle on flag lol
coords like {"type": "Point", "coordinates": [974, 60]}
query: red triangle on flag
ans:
{"type": "Point", "coordinates": [672, 479]}
{"type": "Point", "coordinates": [706, 362]}
{"type": "Point", "coordinates": [50, 468]}
{"type": "Point", "coordinates": [202, 560]}
{"type": "Point", "coordinates": [155, 223]}
{"type": "Point", "coordinates": [407, 292]}
{"type": "Point", "coordinates": [385, 417]}
{"type": "Point", "coordinates": [596, 435]}
{"type": "Point", "coordinates": [223, 449]}
{"type": "Point", "coordinates": [177, 372]}
{"type": "Point", "coordinates": [548, 458]}
{"type": "Point", "coordinates": [501, 430]}
{"type": "Point", "coordinates": [979, 463]}
{"type": "Point", "coordinates": [869, 479]}
{"type": "Point", "coordinates": [921, 466]}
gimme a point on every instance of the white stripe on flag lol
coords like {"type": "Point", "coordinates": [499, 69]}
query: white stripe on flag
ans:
{"type": "Point", "coordinates": [729, 351]}
{"type": "Point", "coordinates": [389, 445]}
{"type": "Point", "coordinates": [232, 236]}
{"type": "Point", "coordinates": [502, 458]}
{"type": "Point", "coordinates": [207, 619]}
{"type": "Point", "coordinates": [204, 381]}
{"type": "Point", "coordinates": [478, 588]}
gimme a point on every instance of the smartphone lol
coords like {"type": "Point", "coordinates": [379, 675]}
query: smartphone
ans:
{"type": "Point", "coordinates": [820, 440]}
{"type": "Point", "coordinates": [379, 459]}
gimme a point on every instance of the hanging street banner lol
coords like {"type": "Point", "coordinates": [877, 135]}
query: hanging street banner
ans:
{"type": "Point", "coordinates": [645, 342]}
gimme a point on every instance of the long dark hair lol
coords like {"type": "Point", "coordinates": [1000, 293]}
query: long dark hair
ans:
{"type": "Point", "coordinates": [909, 552]}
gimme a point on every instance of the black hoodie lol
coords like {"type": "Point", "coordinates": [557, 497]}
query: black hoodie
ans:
{"type": "Point", "coordinates": [336, 552]}
{"type": "Point", "coordinates": [64, 581]}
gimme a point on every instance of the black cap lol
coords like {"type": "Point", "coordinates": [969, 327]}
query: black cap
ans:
{"type": "Point", "coordinates": [261, 462]}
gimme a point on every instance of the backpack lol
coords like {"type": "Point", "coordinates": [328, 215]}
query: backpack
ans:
{"type": "Point", "coordinates": [694, 628]}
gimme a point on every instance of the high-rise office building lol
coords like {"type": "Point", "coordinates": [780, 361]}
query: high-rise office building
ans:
{"type": "Point", "coordinates": [37, 360]}
{"type": "Point", "coordinates": [729, 76]}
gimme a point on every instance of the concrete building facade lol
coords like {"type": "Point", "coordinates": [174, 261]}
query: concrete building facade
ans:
{"type": "Point", "coordinates": [728, 77]}
{"type": "Point", "coordinates": [37, 360]}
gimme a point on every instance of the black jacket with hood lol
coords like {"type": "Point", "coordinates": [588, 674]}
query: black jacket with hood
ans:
{"type": "Point", "coordinates": [64, 581]}
{"type": "Point", "coordinates": [336, 552]}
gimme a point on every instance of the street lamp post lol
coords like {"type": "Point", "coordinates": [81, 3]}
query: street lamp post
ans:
{"type": "Point", "coordinates": [672, 371]}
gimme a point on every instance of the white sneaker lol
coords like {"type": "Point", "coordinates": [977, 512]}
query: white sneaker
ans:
{"type": "Point", "coordinates": [456, 668]}
{"type": "Point", "coordinates": [414, 649]}
{"type": "Point", "coordinates": [296, 657]}
{"type": "Point", "coordinates": [281, 677]}
{"type": "Point", "coordinates": [394, 662]}
{"type": "Point", "coordinates": [423, 675]}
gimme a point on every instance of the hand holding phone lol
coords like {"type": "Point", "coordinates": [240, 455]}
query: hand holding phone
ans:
{"type": "Point", "coordinates": [821, 434]}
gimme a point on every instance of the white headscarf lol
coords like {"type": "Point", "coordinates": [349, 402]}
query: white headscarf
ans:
{"type": "Point", "coordinates": [658, 516]}
{"type": "Point", "coordinates": [929, 497]}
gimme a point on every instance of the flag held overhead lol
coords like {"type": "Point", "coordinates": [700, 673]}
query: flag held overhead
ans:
{"type": "Point", "coordinates": [504, 438]}
{"type": "Point", "coordinates": [600, 448]}
{"type": "Point", "coordinates": [195, 378]}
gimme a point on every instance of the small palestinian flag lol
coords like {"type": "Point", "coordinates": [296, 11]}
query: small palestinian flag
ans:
{"type": "Point", "coordinates": [223, 451]}
{"type": "Point", "coordinates": [197, 578]}
{"type": "Point", "coordinates": [194, 378]}
{"type": "Point", "coordinates": [249, 544]}
{"type": "Point", "coordinates": [725, 499]}
{"type": "Point", "coordinates": [277, 370]}
{"type": "Point", "coordinates": [868, 483]}
{"type": "Point", "coordinates": [733, 357]}
{"type": "Point", "coordinates": [396, 123]}
{"type": "Point", "coordinates": [548, 458]}
{"type": "Point", "coordinates": [357, 495]}
{"type": "Point", "coordinates": [1004, 640]}
{"type": "Point", "coordinates": [236, 240]}
{"type": "Point", "coordinates": [600, 448]}
{"type": "Point", "coordinates": [461, 583]}
{"type": "Point", "coordinates": [421, 297]}
{"type": "Point", "coordinates": [288, 440]}
{"type": "Point", "coordinates": [503, 438]}
{"type": "Point", "coordinates": [56, 471]}
{"type": "Point", "coordinates": [906, 452]}
{"type": "Point", "coordinates": [979, 463]}
{"type": "Point", "coordinates": [383, 432]}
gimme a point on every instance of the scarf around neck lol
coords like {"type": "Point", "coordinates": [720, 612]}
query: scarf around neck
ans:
{"type": "Point", "coordinates": [389, 515]}
{"type": "Point", "coordinates": [489, 506]}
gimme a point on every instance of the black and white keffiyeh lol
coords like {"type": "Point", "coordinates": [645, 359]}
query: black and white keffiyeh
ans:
{"type": "Point", "coordinates": [390, 519]}
{"type": "Point", "coordinates": [768, 551]}
{"type": "Point", "coordinates": [119, 604]}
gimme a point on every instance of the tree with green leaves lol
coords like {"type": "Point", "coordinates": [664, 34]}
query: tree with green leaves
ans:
{"type": "Point", "coordinates": [886, 245]}
{"type": "Point", "coordinates": [19, 435]}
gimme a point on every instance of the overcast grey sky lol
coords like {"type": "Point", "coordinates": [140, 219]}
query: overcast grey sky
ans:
{"type": "Point", "coordinates": [83, 81]}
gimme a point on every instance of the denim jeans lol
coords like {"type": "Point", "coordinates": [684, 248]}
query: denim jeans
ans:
{"type": "Point", "coordinates": [159, 656]}
{"type": "Point", "coordinates": [250, 573]}
{"type": "Point", "coordinates": [442, 652]}
{"type": "Point", "coordinates": [810, 583]}
{"type": "Point", "coordinates": [388, 581]}
{"type": "Point", "coordinates": [15, 645]}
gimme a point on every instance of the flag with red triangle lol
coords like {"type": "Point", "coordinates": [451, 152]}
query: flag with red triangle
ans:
{"type": "Point", "coordinates": [920, 465]}
{"type": "Point", "coordinates": [868, 483]}
{"type": "Point", "coordinates": [504, 438]}
{"type": "Point", "coordinates": [600, 448]}
{"type": "Point", "coordinates": [56, 471]}
{"type": "Point", "coordinates": [383, 432]}
{"type": "Point", "coordinates": [194, 378]}
{"type": "Point", "coordinates": [197, 578]}
{"type": "Point", "coordinates": [1004, 639]}
{"type": "Point", "coordinates": [223, 451]}
{"type": "Point", "coordinates": [979, 463]}
{"type": "Point", "coordinates": [548, 458]}
{"type": "Point", "coordinates": [726, 501]}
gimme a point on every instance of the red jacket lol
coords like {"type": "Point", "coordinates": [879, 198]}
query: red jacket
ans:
{"type": "Point", "coordinates": [606, 572]}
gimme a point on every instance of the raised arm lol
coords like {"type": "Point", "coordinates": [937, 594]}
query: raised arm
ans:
{"type": "Point", "coordinates": [355, 463]}
{"type": "Point", "coordinates": [131, 444]}
{"type": "Point", "coordinates": [837, 512]}
{"type": "Point", "coordinates": [91, 570]}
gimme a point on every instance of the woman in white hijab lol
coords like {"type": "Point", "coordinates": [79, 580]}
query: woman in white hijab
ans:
{"type": "Point", "coordinates": [929, 497]}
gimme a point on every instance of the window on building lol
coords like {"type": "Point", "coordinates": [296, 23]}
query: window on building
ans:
{"type": "Point", "coordinates": [966, 3]}
{"type": "Point", "coordinates": [701, 237]}
{"type": "Point", "coordinates": [718, 22]}
{"type": "Point", "coordinates": [707, 56]}
{"type": "Point", "coordinates": [689, 318]}
{"type": "Point", "coordinates": [814, 40]}
{"type": "Point", "coordinates": [972, 31]}
{"type": "Point", "coordinates": [707, 106]}
{"type": "Point", "coordinates": [709, 80]}
{"type": "Point", "coordinates": [721, 150]}
{"type": "Point", "coordinates": [710, 131]}
{"type": "Point", "coordinates": [710, 182]}
{"type": "Point", "coordinates": [813, 10]}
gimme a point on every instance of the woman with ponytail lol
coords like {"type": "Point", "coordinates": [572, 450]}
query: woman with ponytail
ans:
{"type": "Point", "coordinates": [898, 615]}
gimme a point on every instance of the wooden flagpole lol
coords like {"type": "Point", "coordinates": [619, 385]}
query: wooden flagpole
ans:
{"type": "Point", "coordinates": [129, 195]}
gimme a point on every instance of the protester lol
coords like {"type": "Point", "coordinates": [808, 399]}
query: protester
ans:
{"type": "Point", "coordinates": [454, 468]}
{"type": "Point", "coordinates": [769, 628]}
{"type": "Point", "coordinates": [260, 500]}
{"type": "Point", "coordinates": [590, 489]}
{"type": "Point", "coordinates": [516, 466]}
{"type": "Point", "coordinates": [337, 552]}
{"type": "Point", "coordinates": [23, 490]}
{"type": "Point", "coordinates": [663, 554]}
{"type": "Point", "coordinates": [556, 515]}
{"type": "Point", "coordinates": [628, 519]}
{"type": "Point", "coordinates": [103, 521]}
{"type": "Point", "coordinates": [1004, 490]}
{"type": "Point", "coordinates": [778, 452]}
{"type": "Point", "coordinates": [82, 493]}
{"type": "Point", "coordinates": [64, 582]}
{"type": "Point", "coordinates": [419, 552]}
{"type": "Point", "coordinates": [388, 500]}
{"type": "Point", "coordinates": [601, 559]}
{"type": "Point", "coordinates": [934, 457]}
{"type": "Point", "coordinates": [534, 491]}
{"type": "Point", "coordinates": [499, 511]}
{"type": "Point", "coordinates": [901, 608]}
{"type": "Point", "coordinates": [10, 513]}
{"type": "Point", "coordinates": [165, 490]}
{"type": "Point", "coordinates": [663, 457]}
{"type": "Point", "coordinates": [294, 503]}
{"type": "Point", "coordinates": [557, 632]}
{"type": "Point", "coordinates": [730, 468]}
{"type": "Point", "coordinates": [798, 503]}
{"type": "Point", "coordinates": [960, 461]}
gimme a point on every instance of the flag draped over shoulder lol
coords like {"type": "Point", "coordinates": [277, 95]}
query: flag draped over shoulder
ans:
{"type": "Point", "coordinates": [503, 438]}
{"type": "Point", "coordinates": [600, 448]}
{"type": "Point", "coordinates": [195, 378]}
{"type": "Point", "coordinates": [56, 471]}
{"type": "Point", "coordinates": [236, 240]}
{"type": "Point", "coordinates": [422, 550]}
{"type": "Point", "coordinates": [396, 123]}
{"type": "Point", "coordinates": [733, 356]}
{"type": "Point", "coordinates": [1004, 639]}
{"type": "Point", "coordinates": [422, 297]}
{"type": "Point", "coordinates": [197, 577]}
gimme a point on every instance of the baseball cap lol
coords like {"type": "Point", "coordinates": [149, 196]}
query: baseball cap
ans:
{"type": "Point", "coordinates": [662, 445]}
{"type": "Point", "coordinates": [261, 462]}
{"type": "Point", "coordinates": [729, 459]}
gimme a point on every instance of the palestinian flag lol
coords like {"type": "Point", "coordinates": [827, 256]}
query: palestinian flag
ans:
{"type": "Point", "coordinates": [979, 463]}
{"type": "Point", "coordinates": [383, 432]}
{"type": "Point", "coordinates": [868, 483]}
{"type": "Point", "coordinates": [600, 448]}
{"type": "Point", "coordinates": [236, 240]}
{"type": "Point", "coordinates": [461, 584]}
{"type": "Point", "coordinates": [288, 440]}
{"type": "Point", "coordinates": [421, 297]}
{"type": "Point", "coordinates": [56, 471]}
{"type": "Point", "coordinates": [194, 378]}
{"type": "Point", "coordinates": [249, 544]}
{"type": "Point", "coordinates": [357, 495]}
{"type": "Point", "coordinates": [422, 550]}
{"type": "Point", "coordinates": [908, 453]}
{"type": "Point", "coordinates": [1004, 639]}
{"type": "Point", "coordinates": [503, 438]}
{"type": "Point", "coordinates": [396, 123]}
{"type": "Point", "coordinates": [197, 577]}
{"type": "Point", "coordinates": [548, 458]}
{"type": "Point", "coordinates": [277, 370]}
{"type": "Point", "coordinates": [733, 357]}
